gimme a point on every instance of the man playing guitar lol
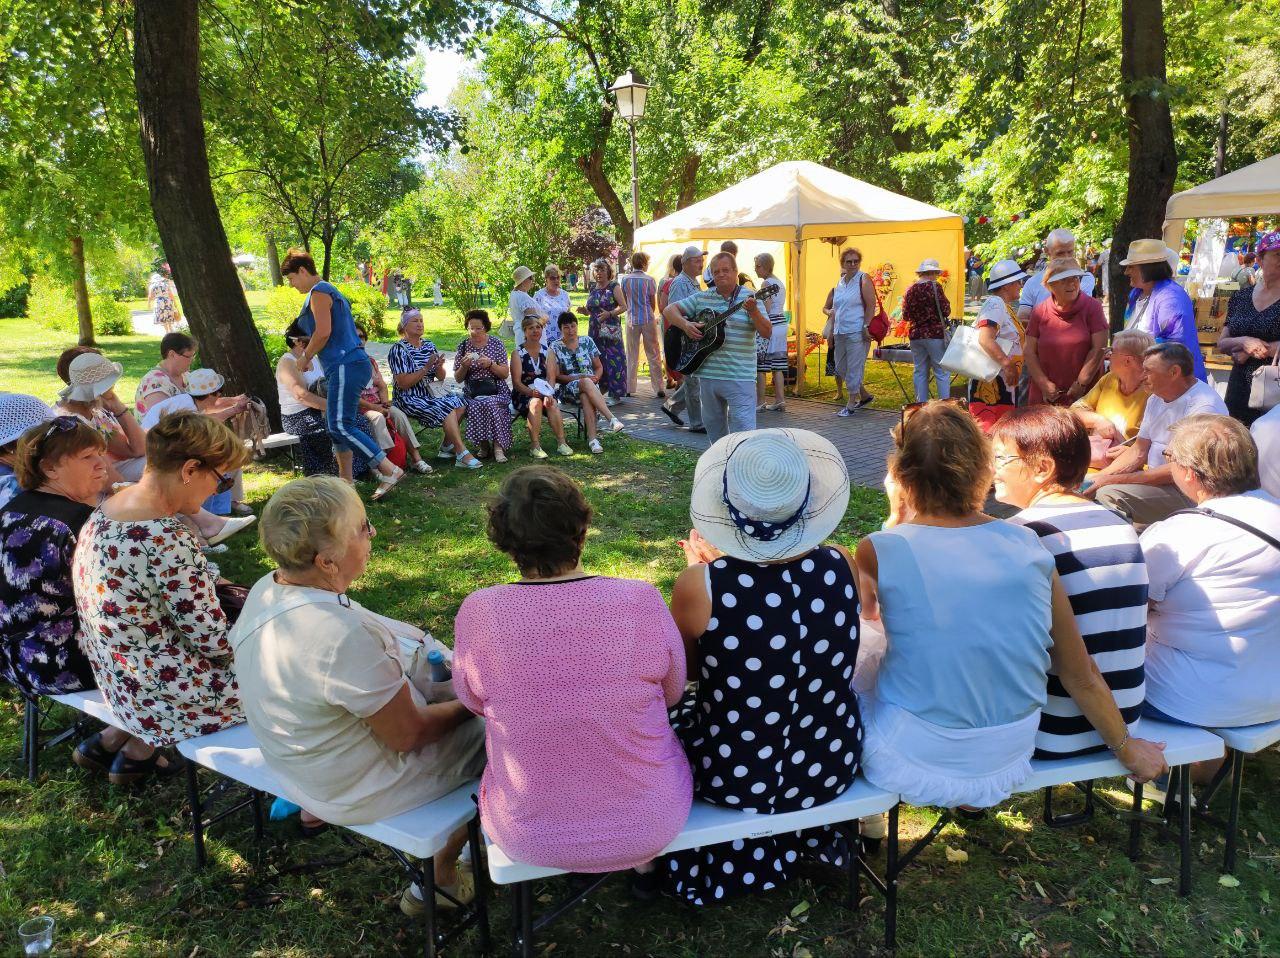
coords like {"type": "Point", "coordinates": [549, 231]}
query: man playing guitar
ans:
{"type": "Point", "coordinates": [728, 376]}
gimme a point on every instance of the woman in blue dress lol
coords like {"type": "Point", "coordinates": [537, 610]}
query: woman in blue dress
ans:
{"type": "Point", "coordinates": [326, 318]}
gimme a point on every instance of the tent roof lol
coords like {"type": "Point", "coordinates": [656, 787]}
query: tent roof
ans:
{"type": "Point", "coordinates": [797, 200]}
{"type": "Point", "coordinates": [1251, 191]}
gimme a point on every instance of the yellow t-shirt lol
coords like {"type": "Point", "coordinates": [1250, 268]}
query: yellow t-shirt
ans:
{"type": "Point", "coordinates": [1106, 399]}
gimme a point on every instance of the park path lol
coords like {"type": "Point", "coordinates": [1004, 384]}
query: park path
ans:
{"type": "Point", "coordinates": [863, 438]}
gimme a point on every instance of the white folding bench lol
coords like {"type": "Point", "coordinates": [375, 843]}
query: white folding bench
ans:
{"type": "Point", "coordinates": [706, 825]}
{"type": "Point", "coordinates": [1184, 745]}
{"type": "Point", "coordinates": [33, 715]}
{"type": "Point", "coordinates": [1241, 741]}
{"type": "Point", "coordinates": [413, 837]}
{"type": "Point", "coordinates": [279, 440]}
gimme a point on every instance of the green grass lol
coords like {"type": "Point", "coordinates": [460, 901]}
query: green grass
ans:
{"type": "Point", "coordinates": [115, 866]}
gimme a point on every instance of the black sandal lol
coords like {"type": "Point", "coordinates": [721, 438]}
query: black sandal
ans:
{"type": "Point", "coordinates": [92, 757]}
{"type": "Point", "coordinates": [126, 770]}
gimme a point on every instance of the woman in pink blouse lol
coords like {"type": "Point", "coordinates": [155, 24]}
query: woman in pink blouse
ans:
{"type": "Point", "coordinates": [574, 674]}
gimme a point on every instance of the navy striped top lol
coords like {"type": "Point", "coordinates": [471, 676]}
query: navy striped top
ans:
{"type": "Point", "coordinates": [1102, 569]}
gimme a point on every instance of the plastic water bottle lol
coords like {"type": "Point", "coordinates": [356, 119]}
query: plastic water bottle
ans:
{"type": "Point", "coordinates": [440, 671]}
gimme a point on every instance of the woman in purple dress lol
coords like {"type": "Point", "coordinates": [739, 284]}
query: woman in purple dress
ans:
{"type": "Point", "coordinates": [480, 364]}
{"type": "Point", "coordinates": [605, 305]}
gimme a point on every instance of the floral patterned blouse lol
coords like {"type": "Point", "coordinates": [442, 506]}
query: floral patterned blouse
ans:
{"type": "Point", "coordinates": [153, 629]}
{"type": "Point", "coordinates": [494, 349]}
{"type": "Point", "coordinates": [38, 622]}
{"type": "Point", "coordinates": [157, 381]}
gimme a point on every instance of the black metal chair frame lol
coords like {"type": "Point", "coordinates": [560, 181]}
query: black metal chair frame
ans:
{"type": "Point", "coordinates": [897, 860]}
{"type": "Point", "coordinates": [527, 924]}
{"type": "Point", "coordinates": [34, 714]}
{"type": "Point", "coordinates": [420, 871]}
{"type": "Point", "coordinates": [1232, 766]}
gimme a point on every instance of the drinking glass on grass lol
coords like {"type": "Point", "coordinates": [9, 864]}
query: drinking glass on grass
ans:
{"type": "Point", "coordinates": [36, 935]}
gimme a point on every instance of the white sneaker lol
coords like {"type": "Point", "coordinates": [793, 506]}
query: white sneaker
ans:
{"type": "Point", "coordinates": [610, 401]}
{"type": "Point", "coordinates": [595, 447]}
{"type": "Point", "coordinates": [845, 412]}
{"type": "Point", "coordinates": [775, 407]}
{"type": "Point", "coordinates": [231, 527]}
{"type": "Point", "coordinates": [617, 425]}
{"type": "Point", "coordinates": [538, 452]}
{"type": "Point", "coordinates": [763, 406]}
{"type": "Point", "coordinates": [446, 451]}
{"type": "Point", "coordinates": [564, 449]}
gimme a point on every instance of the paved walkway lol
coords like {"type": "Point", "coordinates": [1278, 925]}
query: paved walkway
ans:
{"type": "Point", "coordinates": [863, 438]}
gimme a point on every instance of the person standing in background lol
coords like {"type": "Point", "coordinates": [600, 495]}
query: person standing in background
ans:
{"type": "Point", "coordinates": [552, 300]}
{"type": "Point", "coordinates": [689, 395]}
{"type": "Point", "coordinates": [771, 351]}
{"type": "Point", "coordinates": [641, 293]}
{"type": "Point", "coordinates": [927, 311]}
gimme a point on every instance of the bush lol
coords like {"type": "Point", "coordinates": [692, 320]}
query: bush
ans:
{"type": "Point", "coordinates": [53, 305]}
{"type": "Point", "coordinates": [14, 302]}
{"type": "Point", "coordinates": [283, 305]}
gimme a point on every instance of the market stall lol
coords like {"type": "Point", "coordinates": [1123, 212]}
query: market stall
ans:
{"type": "Point", "coordinates": [804, 215]}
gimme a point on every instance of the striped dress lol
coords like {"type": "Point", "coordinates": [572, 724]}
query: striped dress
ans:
{"type": "Point", "coordinates": [1103, 571]}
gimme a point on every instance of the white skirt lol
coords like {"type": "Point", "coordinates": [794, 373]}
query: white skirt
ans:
{"type": "Point", "coordinates": [931, 765]}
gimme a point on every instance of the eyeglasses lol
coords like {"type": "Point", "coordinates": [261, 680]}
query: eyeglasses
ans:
{"type": "Point", "coordinates": [367, 529]}
{"type": "Point", "coordinates": [1002, 461]}
{"type": "Point", "coordinates": [910, 409]}
{"type": "Point", "coordinates": [225, 479]}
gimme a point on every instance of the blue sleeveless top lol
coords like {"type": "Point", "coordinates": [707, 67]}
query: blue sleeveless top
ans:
{"type": "Point", "coordinates": [343, 347]}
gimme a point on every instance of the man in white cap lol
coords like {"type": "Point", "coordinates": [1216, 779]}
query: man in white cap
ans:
{"type": "Point", "coordinates": [18, 413]}
{"type": "Point", "coordinates": [520, 304]}
{"type": "Point", "coordinates": [1059, 242]}
{"type": "Point", "coordinates": [688, 396]}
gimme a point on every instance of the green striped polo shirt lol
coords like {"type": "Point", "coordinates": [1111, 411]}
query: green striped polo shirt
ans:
{"type": "Point", "coordinates": [736, 359]}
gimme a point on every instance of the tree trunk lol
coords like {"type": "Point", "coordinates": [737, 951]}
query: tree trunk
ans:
{"type": "Point", "coordinates": [689, 180]}
{"type": "Point", "coordinates": [273, 259]}
{"type": "Point", "coordinates": [166, 65]}
{"type": "Point", "coordinates": [1153, 158]}
{"type": "Point", "coordinates": [592, 167]}
{"type": "Point", "coordinates": [1220, 153]}
{"type": "Point", "coordinates": [81, 286]}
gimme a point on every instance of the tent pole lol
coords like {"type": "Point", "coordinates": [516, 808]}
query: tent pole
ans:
{"type": "Point", "coordinates": [795, 279]}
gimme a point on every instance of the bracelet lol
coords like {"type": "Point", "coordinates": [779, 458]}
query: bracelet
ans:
{"type": "Point", "coordinates": [1116, 749]}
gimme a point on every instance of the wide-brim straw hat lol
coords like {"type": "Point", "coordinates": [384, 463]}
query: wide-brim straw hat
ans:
{"type": "Point", "coordinates": [521, 274]}
{"type": "Point", "coordinates": [1005, 272]}
{"type": "Point", "coordinates": [1062, 267]}
{"type": "Point", "coordinates": [18, 413]}
{"type": "Point", "coordinates": [929, 266]}
{"type": "Point", "coordinates": [90, 375]}
{"type": "Point", "coordinates": [769, 494]}
{"type": "Point", "coordinates": [1146, 251]}
{"type": "Point", "coordinates": [202, 382]}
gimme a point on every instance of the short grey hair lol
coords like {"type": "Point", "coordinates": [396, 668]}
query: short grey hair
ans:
{"type": "Point", "coordinates": [1175, 354]}
{"type": "Point", "coordinates": [1060, 237]}
{"type": "Point", "coordinates": [307, 517]}
{"type": "Point", "coordinates": [1219, 450]}
{"type": "Point", "coordinates": [551, 269]}
{"type": "Point", "coordinates": [1135, 342]}
{"type": "Point", "coordinates": [723, 255]}
{"type": "Point", "coordinates": [765, 260]}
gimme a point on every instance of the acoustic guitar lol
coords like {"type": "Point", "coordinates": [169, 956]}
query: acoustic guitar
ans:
{"type": "Point", "coordinates": [685, 355]}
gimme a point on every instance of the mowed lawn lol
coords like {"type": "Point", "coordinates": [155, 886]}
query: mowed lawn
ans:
{"type": "Point", "coordinates": [115, 866]}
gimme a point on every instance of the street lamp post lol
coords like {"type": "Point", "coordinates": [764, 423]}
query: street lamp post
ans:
{"type": "Point", "coordinates": [630, 92]}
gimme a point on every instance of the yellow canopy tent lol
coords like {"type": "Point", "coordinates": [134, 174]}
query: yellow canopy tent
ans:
{"type": "Point", "coordinates": [804, 215]}
{"type": "Point", "coordinates": [1249, 191]}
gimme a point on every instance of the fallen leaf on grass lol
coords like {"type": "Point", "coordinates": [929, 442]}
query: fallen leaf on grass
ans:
{"type": "Point", "coordinates": [1228, 881]}
{"type": "Point", "coordinates": [800, 909]}
{"type": "Point", "coordinates": [958, 855]}
{"type": "Point", "coordinates": [801, 952]}
{"type": "Point", "coordinates": [1159, 881]}
{"type": "Point", "coordinates": [1040, 889]}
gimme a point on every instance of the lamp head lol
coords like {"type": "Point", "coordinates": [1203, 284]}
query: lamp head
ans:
{"type": "Point", "coordinates": [630, 92]}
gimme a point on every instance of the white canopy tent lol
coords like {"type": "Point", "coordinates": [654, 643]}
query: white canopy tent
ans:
{"type": "Point", "coordinates": [804, 214]}
{"type": "Point", "coordinates": [1250, 191]}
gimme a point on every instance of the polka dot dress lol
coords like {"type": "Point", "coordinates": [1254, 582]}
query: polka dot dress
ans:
{"type": "Point", "coordinates": [774, 724]}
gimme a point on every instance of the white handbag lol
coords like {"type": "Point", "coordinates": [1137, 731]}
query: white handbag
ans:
{"type": "Point", "coordinates": [965, 356]}
{"type": "Point", "coordinates": [1264, 387]}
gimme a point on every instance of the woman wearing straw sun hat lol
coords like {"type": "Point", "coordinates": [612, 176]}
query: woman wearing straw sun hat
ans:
{"type": "Point", "coordinates": [91, 395]}
{"type": "Point", "coordinates": [769, 617]}
{"type": "Point", "coordinates": [1157, 304]}
{"type": "Point", "coordinates": [1001, 336]}
{"type": "Point", "coordinates": [1066, 337]}
{"type": "Point", "coordinates": [520, 304]}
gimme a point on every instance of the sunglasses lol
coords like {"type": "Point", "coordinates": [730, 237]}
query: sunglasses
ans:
{"type": "Point", "coordinates": [910, 409]}
{"type": "Point", "coordinates": [60, 424]}
{"type": "Point", "coordinates": [225, 480]}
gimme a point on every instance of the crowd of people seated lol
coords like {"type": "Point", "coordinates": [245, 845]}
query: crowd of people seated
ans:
{"type": "Point", "coordinates": [937, 659]}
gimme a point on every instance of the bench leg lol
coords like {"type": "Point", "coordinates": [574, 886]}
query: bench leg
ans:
{"type": "Point", "coordinates": [31, 735]}
{"type": "Point", "coordinates": [1233, 813]}
{"type": "Point", "coordinates": [522, 912]}
{"type": "Point", "coordinates": [428, 888]}
{"type": "Point", "coordinates": [197, 813]}
{"type": "Point", "coordinates": [1135, 823]}
{"type": "Point", "coordinates": [481, 904]}
{"type": "Point", "coordinates": [256, 797]}
{"type": "Point", "coordinates": [1184, 830]}
{"type": "Point", "coordinates": [891, 882]}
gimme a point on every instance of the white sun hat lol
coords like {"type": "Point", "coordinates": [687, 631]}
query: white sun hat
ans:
{"type": "Point", "coordinates": [18, 413]}
{"type": "Point", "coordinates": [929, 266]}
{"type": "Point", "coordinates": [769, 494]}
{"type": "Point", "coordinates": [1005, 272]}
{"type": "Point", "coordinates": [521, 274]}
{"type": "Point", "coordinates": [90, 375]}
{"type": "Point", "coordinates": [202, 382]}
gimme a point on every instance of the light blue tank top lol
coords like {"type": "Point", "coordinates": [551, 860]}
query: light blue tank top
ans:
{"type": "Point", "coordinates": [343, 347]}
{"type": "Point", "coordinates": [967, 614]}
